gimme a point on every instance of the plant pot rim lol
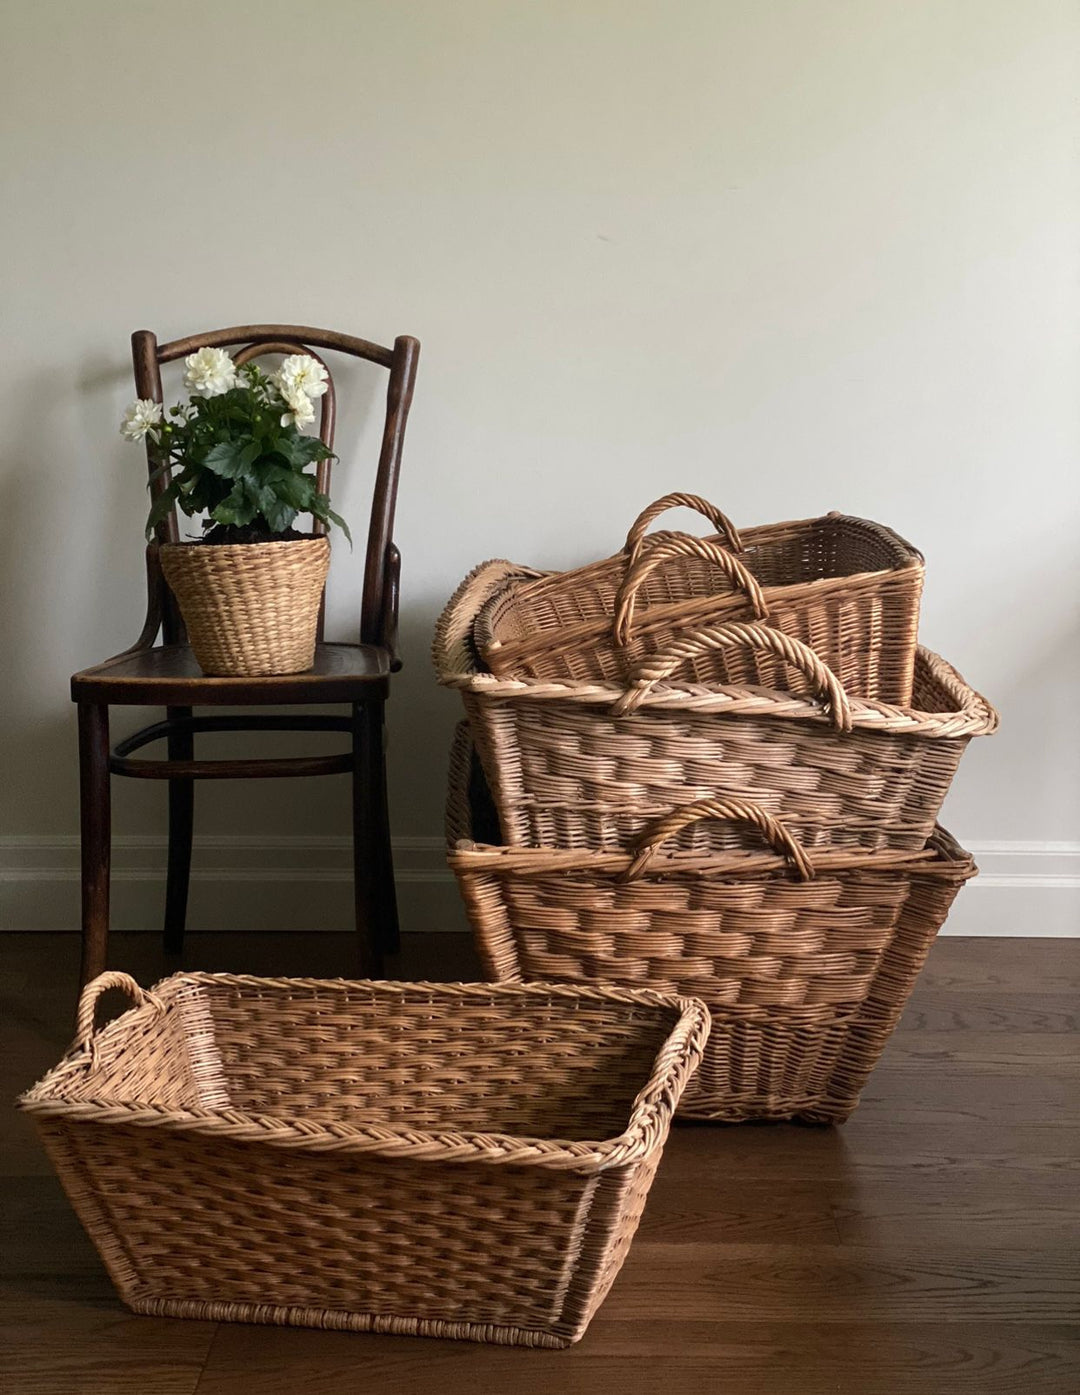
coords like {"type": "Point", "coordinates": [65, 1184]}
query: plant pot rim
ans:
{"type": "Point", "coordinates": [202, 544]}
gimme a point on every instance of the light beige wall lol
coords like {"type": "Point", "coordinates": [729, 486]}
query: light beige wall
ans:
{"type": "Point", "coordinates": [792, 254]}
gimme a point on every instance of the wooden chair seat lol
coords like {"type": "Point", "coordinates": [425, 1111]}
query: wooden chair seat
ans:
{"type": "Point", "coordinates": [169, 675]}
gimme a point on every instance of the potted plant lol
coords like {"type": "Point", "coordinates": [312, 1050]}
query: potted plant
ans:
{"type": "Point", "coordinates": [250, 588]}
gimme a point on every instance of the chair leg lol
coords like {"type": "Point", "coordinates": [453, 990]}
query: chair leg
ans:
{"type": "Point", "coordinates": [389, 929]}
{"type": "Point", "coordinates": [371, 868]}
{"type": "Point", "coordinates": [95, 818]}
{"type": "Point", "coordinates": [181, 746]}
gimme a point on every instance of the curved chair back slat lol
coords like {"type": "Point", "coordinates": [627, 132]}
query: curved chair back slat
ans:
{"type": "Point", "coordinates": [254, 334]}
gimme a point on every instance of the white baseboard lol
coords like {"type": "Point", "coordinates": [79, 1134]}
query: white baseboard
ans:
{"type": "Point", "coordinates": [1026, 888]}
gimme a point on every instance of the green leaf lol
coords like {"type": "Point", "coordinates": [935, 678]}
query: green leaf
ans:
{"type": "Point", "coordinates": [276, 512]}
{"type": "Point", "coordinates": [279, 516]}
{"type": "Point", "coordinates": [283, 446]}
{"type": "Point", "coordinates": [296, 490]}
{"type": "Point", "coordinates": [337, 518]}
{"type": "Point", "coordinates": [307, 449]}
{"type": "Point", "coordinates": [236, 509]}
{"type": "Point", "coordinates": [300, 450]}
{"type": "Point", "coordinates": [322, 510]}
{"type": "Point", "coordinates": [226, 460]}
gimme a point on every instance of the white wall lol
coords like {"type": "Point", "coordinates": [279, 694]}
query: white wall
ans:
{"type": "Point", "coordinates": [792, 254]}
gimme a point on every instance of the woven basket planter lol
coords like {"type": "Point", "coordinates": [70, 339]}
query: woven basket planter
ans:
{"type": "Point", "coordinates": [590, 765]}
{"type": "Point", "coordinates": [847, 587]}
{"type": "Point", "coordinates": [463, 1160]}
{"type": "Point", "coordinates": [250, 608]}
{"type": "Point", "coordinates": [805, 961]}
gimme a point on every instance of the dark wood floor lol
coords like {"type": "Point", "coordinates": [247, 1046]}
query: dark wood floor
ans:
{"type": "Point", "coordinates": [928, 1246]}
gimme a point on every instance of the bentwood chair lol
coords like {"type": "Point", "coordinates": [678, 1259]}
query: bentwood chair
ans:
{"type": "Point", "coordinates": [356, 674]}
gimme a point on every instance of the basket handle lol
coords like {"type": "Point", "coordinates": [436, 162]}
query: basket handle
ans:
{"type": "Point", "coordinates": [682, 545]}
{"type": "Point", "coordinates": [720, 521]}
{"type": "Point", "coordinates": [88, 999]}
{"type": "Point", "coordinates": [657, 667]}
{"type": "Point", "coordinates": [779, 836]}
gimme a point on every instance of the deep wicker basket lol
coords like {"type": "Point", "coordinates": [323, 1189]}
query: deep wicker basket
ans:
{"type": "Point", "coordinates": [847, 587]}
{"type": "Point", "coordinates": [249, 608]}
{"type": "Point", "coordinates": [446, 1160]}
{"type": "Point", "coordinates": [590, 765]}
{"type": "Point", "coordinates": [805, 961]}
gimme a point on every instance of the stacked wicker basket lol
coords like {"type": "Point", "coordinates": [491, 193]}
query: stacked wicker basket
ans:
{"type": "Point", "coordinates": [714, 767]}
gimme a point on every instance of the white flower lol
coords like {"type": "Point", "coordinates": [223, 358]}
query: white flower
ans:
{"type": "Point", "coordinates": [300, 373]}
{"type": "Point", "coordinates": [139, 418]}
{"type": "Point", "coordinates": [210, 372]}
{"type": "Point", "coordinates": [300, 412]}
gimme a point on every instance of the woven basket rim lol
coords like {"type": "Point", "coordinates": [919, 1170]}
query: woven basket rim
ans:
{"type": "Point", "coordinates": [457, 667]}
{"type": "Point", "coordinates": [906, 556]}
{"type": "Point", "coordinates": [227, 549]}
{"type": "Point", "coordinates": [943, 857]}
{"type": "Point", "coordinates": [648, 1123]}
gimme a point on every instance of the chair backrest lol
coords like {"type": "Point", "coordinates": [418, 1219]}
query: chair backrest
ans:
{"type": "Point", "coordinates": [382, 559]}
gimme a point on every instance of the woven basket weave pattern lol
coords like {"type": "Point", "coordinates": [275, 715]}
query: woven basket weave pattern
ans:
{"type": "Point", "coordinates": [399, 1158]}
{"type": "Point", "coordinates": [250, 608]}
{"type": "Point", "coordinates": [805, 980]}
{"type": "Point", "coordinates": [847, 587]}
{"type": "Point", "coordinates": [565, 773]}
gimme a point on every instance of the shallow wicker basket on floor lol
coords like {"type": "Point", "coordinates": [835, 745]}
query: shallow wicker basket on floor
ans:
{"type": "Point", "coordinates": [805, 964]}
{"type": "Point", "coordinates": [249, 608]}
{"type": "Point", "coordinates": [446, 1160]}
{"type": "Point", "coordinates": [588, 765]}
{"type": "Point", "coordinates": [847, 587]}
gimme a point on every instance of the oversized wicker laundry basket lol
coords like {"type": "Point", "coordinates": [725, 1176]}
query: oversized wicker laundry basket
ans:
{"type": "Point", "coordinates": [847, 587]}
{"type": "Point", "coordinates": [805, 961]}
{"type": "Point", "coordinates": [590, 765]}
{"type": "Point", "coordinates": [447, 1160]}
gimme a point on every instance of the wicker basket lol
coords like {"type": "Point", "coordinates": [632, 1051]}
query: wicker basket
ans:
{"type": "Point", "coordinates": [470, 811]}
{"type": "Point", "coordinates": [805, 961]}
{"type": "Point", "coordinates": [846, 587]}
{"type": "Point", "coordinates": [446, 1160]}
{"type": "Point", "coordinates": [565, 771]}
{"type": "Point", "coordinates": [250, 608]}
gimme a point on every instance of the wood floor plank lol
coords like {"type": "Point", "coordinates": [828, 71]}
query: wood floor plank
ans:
{"type": "Point", "coordinates": [1016, 1209]}
{"type": "Point", "coordinates": [978, 1148]}
{"type": "Point", "coordinates": [943, 1094]}
{"type": "Point", "coordinates": [775, 1283]}
{"type": "Point", "coordinates": [947, 1011]}
{"type": "Point", "coordinates": [677, 1357]}
{"type": "Point", "coordinates": [963, 964]}
{"type": "Point", "coordinates": [749, 1211]}
{"type": "Point", "coordinates": [58, 1341]}
{"type": "Point", "coordinates": [866, 1145]}
{"type": "Point", "coordinates": [1041, 1054]}
{"type": "Point", "coordinates": [329, 955]}
{"type": "Point", "coordinates": [37, 1206]}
